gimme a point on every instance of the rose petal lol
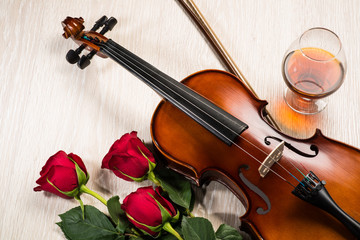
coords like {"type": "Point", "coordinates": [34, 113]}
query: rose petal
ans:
{"type": "Point", "coordinates": [105, 161]}
{"type": "Point", "coordinates": [62, 178]}
{"type": "Point", "coordinates": [79, 161]}
{"type": "Point", "coordinates": [142, 207]}
{"type": "Point", "coordinates": [129, 165]}
{"type": "Point", "coordinates": [118, 146]}
{"type": "Point", "coordinates": [58, 159]}
{"type": "Point", "coordinates": [164, 202]}
{"type": "Point", "coordinates": [133, 134]}
{"type": "Point", "coordinates": [144, 228]}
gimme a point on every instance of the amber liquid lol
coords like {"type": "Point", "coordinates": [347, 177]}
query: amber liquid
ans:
{"type": "Point", "coordinates": [312, 72]}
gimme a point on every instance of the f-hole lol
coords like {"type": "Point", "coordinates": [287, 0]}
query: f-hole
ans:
{"type": "Point", "coordinates": [313, 147]}
{"type": "Point", "coordinates": [256, 190]}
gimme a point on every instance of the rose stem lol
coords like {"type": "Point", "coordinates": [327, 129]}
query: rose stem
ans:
{"type": "Point", "coordinates": [81, 206]}
{"type": "Point", "coordinates": [167, 227]}
{"type": "Point", "coordinates": [85, 189]}
{"type": "Point", "coordinates": [151, 177]}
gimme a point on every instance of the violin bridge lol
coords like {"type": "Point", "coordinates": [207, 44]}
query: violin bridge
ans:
{"type": "Point", "coordinates": [273, 157]}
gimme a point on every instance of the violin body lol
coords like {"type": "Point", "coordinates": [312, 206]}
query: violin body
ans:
{"type": "Point", "coordinates": [193, 151]}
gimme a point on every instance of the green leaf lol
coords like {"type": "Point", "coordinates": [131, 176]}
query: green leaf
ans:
{"type": "Point", "coordinates": [121, 237]}
{"type": "Point", "coordinates": [168, 236]}
{"type": "Point", "coordinates": [96, 225]}
{"type": "Point", "coordinates": [178, 188]}
{"type": "Point", "coordinates": [192, 201]}
{"type": "Point", "coordinates": [136, 238]}
{"type": "Point", "coordinates": [117, 214]}
{"type": "Point", "coordinates": [226, 232]}
{"type": "Point", "coordinates": [61, 227]}
{"type": "Point", "coordinates": [197, 229]}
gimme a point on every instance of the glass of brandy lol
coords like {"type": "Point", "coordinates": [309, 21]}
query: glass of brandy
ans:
{"type": "Point", "coordinates": [313, 67]}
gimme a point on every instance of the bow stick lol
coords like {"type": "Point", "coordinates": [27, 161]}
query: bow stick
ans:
{"type": "Point", "coordinates": [229, 63]}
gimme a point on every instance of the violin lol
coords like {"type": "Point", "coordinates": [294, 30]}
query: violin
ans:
{"type": "Point", "coordinates": [210, 127]}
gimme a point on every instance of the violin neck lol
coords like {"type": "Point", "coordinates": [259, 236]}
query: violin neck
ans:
{"type": "Point", "coordinates": [223, 125]}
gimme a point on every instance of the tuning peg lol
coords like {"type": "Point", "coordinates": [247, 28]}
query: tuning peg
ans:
{"type": "Point", "coordinates": [99, 23]}
{"type": "Point", "coordinates": [109, 25]}
{"type": "Point", "coordinates": [85, 60]}
{"type": "Point", "coordinates": [72, 56]}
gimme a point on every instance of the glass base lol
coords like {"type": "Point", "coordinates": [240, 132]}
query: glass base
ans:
{"type": "Point", "coordinates": [303, 105]}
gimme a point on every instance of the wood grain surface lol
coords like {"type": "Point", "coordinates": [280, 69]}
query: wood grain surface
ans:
{"type": "Point", "coordinates": [47, 104]}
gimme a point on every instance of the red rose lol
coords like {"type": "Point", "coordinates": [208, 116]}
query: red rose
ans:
{"type": "Point", "coordinates": [63, 175]}
{"type": "Point", "coordinates": [148, 210]}
{"type": "Point", "coordinates": [129, 159]}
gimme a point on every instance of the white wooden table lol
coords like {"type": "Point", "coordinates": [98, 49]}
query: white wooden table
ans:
{"type": "Point", "coordinates": [47, 104]}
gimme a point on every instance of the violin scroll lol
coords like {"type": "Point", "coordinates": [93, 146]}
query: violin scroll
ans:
{"type": "Point", "coordinates": [72, 27]}
{"type": "Point", "coordinates": [90, 40]}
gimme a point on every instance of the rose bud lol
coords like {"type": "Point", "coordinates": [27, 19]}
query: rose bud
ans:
{"type": "Point", "coordinates": [129, 159]}
{"type": "Point", "coordinates": [149, 211]}
{"type": "Point", "coordinates": [63, 175]}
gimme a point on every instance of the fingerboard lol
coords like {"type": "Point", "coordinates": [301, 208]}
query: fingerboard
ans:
{"type": "Point", "coordinates": [220, 123]}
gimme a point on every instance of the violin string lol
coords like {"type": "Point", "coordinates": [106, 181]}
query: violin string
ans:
{"type": "Point", "coordinates": [304, 167]}
{"type": "Point", "coordinates": [291, 161]}
{"type": "Point", "coordinates": [115, 57]}
{"type": "Point", "coordinates": [297, 168]}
